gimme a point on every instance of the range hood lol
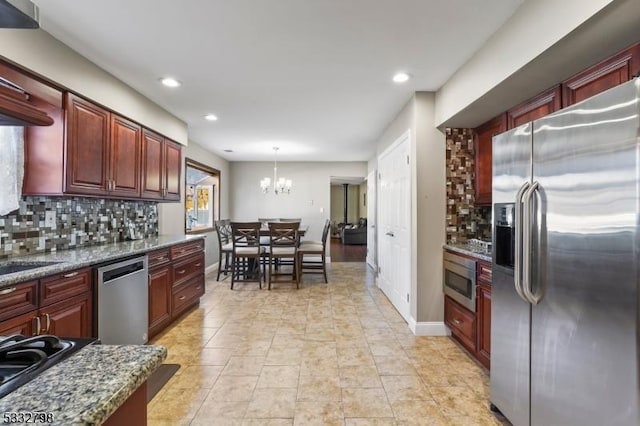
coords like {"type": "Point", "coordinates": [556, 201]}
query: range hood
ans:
{"type": "Point", "coordinates": [15, 109]}
{"type": "Point", "coordinates": [18, 14]}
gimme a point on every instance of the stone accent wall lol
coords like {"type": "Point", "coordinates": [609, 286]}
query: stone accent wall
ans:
{"type": "Point", "coordinates": [464, 219]}
{"type": "Point", "coordinates": [76, 222]}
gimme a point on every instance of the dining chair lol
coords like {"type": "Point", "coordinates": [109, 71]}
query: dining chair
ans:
{"type": "Point", "coordinates": [327, 223]}
{"type": "Point", "coordinates": [225, 246]}
{"type": "Point", "coordinates": [246, 253]}
{"type": "Point", "coordinates": [283, 244]}
{"type": "Point", "coordinates": [312, 248]}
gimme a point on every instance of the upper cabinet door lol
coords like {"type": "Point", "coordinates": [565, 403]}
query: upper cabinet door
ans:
{"type": "Point", "coordinates": [153, 175]}
{"type": "Point", "coordinates": [87, 147]}
{"type": "Point", "coordinates": [126, 139]}
{"type": "Point", "coordinates": [543, 104]}
{"type": "Point", "coordinates": [602, 76]}
{"type": "Point", "coordinates": [173, 163]}
{"type": "Point", "coordinates": [483, 140]}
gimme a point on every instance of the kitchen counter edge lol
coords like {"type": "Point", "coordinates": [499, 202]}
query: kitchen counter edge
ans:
{"type": "Point", "coordinates": [88, 256]}
{"type": "Point", "coordinates": [88, 387]}
{"type": "Point", "coordinates": [464, 249]}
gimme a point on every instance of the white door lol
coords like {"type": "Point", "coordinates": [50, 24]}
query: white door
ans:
{"type": "Point", "coordinates": [371, 219]}
{"type": "Point", "coordinates": [394, 223]}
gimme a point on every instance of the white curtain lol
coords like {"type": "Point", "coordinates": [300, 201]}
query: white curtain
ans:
{"type": "Point", "coordinates": [11, 167]}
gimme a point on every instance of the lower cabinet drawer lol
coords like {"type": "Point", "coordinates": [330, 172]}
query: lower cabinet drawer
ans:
{"type": "Point", "coordinates": [186, 294]}
{"type": "Point", "coordinates": [186, 269]}
{"type": "Point", "coordinates": [18, 299]}
{"type": "Point", "coordinates": [461, 321]}
{"type": "Point", "coordinates": [65, 285]}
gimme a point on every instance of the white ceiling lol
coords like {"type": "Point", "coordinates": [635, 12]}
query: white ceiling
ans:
{"type": "Point", "coordinates": [312, 77]}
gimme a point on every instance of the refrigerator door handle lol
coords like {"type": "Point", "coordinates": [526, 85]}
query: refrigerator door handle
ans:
{"type": "Point", "coordinates": [517, 268]}
{"type": "Point", "coordinates": [539, 294]}
{"type": "Point", "coordinates": [526, 243]}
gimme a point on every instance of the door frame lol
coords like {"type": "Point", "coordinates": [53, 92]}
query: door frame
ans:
{"type": "Point", "coordinates": [372, 244]}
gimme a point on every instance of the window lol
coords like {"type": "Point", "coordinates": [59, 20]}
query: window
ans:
{"type": "Point", "coordinates": [202, 197]}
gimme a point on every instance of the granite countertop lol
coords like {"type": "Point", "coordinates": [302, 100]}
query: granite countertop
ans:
{"type": "Point", "coordinates": [469, 250]}
{"type": "Point", "coordinates": [89, 386]}
{"type": "Point", "coordinates": [86, 256]}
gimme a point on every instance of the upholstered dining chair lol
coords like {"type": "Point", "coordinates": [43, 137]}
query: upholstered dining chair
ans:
{"type": "Point", "coordinates": [225, 246]}
{"type": "Point", "coordinates": [327, 224]}
{"type": "Point", "coordinates": [283, 245]}
{"type": "Point", "coordinates": [246, 253]}
{"type": "Point", "coordinates": [312, 248]}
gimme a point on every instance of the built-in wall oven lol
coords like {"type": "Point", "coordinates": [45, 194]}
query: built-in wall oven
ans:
{"type": "Point", "coordinates": [460, 279]}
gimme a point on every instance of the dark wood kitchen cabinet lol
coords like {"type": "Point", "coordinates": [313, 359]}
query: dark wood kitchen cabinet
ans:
{"type": "Point", "coordinates": [159, 291]}
{"type": "Point", "coordinates": [483, 140]}
{"type": "Point", "coordinates": [87, 147]}
{"type": "Point", "coordinates": [462, 323]}
{"type": "Point", "coordinates": [602, 76]}
{"type": "Point", "coordinates": [59, 304]}
{"type": "Point", "coordinates": [69, 318]}
{"type": "Point", "coordinates": [161, 164]}
{"type": "Point", "coordinates": [176, 282]}
{"type": "Point", "coordinates": [483, 313]}
{"type": "Point", "coordinates": [103, 151]}
{"type": "Point", "coordinates": [537, 107]}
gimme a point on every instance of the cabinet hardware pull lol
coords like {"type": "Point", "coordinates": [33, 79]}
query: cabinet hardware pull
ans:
{"type": "Point", "coordinates": [182, 271]}
{"type": "Point", "coordinates": [36, 330]}
{"type": "Point", "coordinates": [70, 274]}
{"type": "Point", "coordinates": [159, 259]}
{"type": "Point", "coordinates": [48, 318]}
{"type": "Point", "coordinates": [8, 290]}
{"type": "Point", "coordinates": [199, 264]}
{"type": "Point", "coordinates": [198, 288]}
{"type": "Point", "coordinates": [456, 321]}
{"type": "Point", "coordinates": [182, 297]}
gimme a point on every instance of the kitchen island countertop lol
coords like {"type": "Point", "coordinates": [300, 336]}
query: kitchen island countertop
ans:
{"type": "Point", "coordinates": [86, 256]}
{"type": "Point", "coordinates": [89, 386]}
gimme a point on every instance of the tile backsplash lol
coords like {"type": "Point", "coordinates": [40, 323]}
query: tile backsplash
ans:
{"type": "Point", "coordinates": [47, 224]}
{"type": "Point", "coordinates": [464, 219]}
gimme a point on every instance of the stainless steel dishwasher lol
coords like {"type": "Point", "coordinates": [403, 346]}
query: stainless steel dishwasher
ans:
{"type": "Point", "coordinates": [123, 302]}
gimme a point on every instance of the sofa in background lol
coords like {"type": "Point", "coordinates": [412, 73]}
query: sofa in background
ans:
{"type": "Point", "coordinates": [355, 234]}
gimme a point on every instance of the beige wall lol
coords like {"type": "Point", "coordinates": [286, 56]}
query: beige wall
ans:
{"type": "Point", "coordinates": [310, 197]}
{"type": "Point", "coordinates": [337, 204]}
{"type": "Point", "coordinates": [427, 202]}
{"type": "Point", "coordinates": [42, 54]}
{"type": "Point", "coordinates": [171, 216]}
{"type": "Point", "coordinates": [535, 27]}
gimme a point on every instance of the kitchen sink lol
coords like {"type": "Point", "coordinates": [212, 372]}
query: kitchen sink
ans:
{"type": "Point", "coordinates": [14, 266]}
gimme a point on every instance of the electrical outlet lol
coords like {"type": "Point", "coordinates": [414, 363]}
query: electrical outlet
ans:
{"type": "Point", "coordinates": [321, 210]}
{"type": "Point", "coordinates": [50, 219]}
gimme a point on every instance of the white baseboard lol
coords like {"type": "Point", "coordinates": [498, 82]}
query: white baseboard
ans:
{"type": "Point", "coordinates": [211, 268]}
{"type": "Point", "coordinates": [428, 328]}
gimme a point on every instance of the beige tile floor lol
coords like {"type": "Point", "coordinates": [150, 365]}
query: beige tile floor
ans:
{"type": "Point", "coordinates": [326, 354]}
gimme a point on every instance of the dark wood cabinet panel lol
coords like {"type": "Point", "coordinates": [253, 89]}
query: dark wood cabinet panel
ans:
{"type": "Point", "coordinates": [186, 295]}
{"type": "Point", "coordinates": [87, 147]}
{"type": "Point", "coordinates": [462, 323]}
{"type": "Point", "coordinates": [69, 318]}
{"type": "Point", "coordinates": [161, 165]}
{"type": "Point", "coordinates": [159, 299]}
{"type": "Point", "coordinates": [186, 249]}
{"type": "Point", "coordinates": [126, 139]}
{"type": "Point", "coordinates": [22, 324]}
{"type": "Point", "coordinates": [152, 165]}
{"type": "Point", "coordinates": [63, 286]}
{"type": "Point", "coordinates": [543, 104]}
{"type": "Point", "coordinates": [173, 163]}
{"type": "Point", "coordinates": [602, 76]}
{"type": "Point", "coordinates": [18, 299]}
{"type": "Point", "coordinates": [483, 140]}
{"type": "Point", "coordinates": [483, 346]}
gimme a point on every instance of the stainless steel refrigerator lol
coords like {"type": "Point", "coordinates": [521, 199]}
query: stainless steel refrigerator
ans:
{"type": "Point", "coordinates": [566, 206]}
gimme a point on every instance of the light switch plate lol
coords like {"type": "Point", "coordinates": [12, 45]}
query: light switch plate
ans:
{"type": "Point", "coordinates": [50, 219]}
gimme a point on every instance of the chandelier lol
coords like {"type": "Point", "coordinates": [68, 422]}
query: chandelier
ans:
{"type": "Point", "coordinates": [281, 185]}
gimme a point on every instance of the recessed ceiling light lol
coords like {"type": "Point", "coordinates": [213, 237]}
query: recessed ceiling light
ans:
{"type": "Point", "coordinates": [228, 150]}
{"type": "Point", "coordinates": [401, 77]}
{"type": "Point", "coordinates": [170, 82]}
{"type": "Point", "coordinates": [211, 117]}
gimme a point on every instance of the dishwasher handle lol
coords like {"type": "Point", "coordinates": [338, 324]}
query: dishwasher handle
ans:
{"type": "Point", "coordinates": [113, 272]}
